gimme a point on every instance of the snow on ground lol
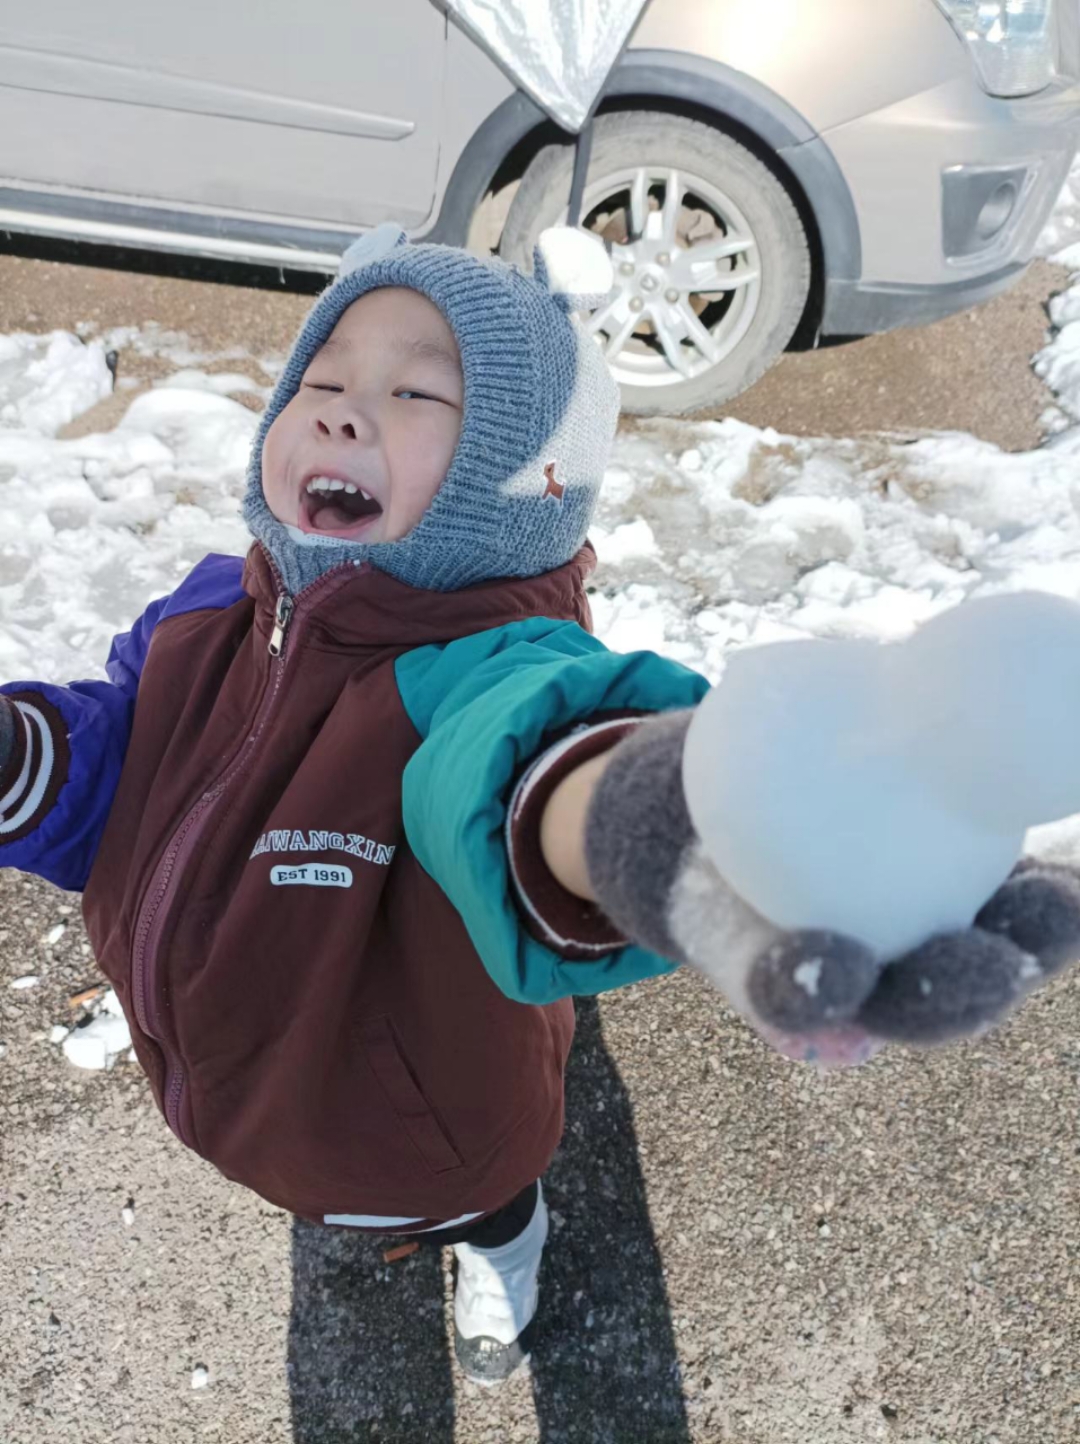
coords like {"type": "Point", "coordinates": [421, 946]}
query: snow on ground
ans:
{"type": "Point", "coordinates": [710, 535]}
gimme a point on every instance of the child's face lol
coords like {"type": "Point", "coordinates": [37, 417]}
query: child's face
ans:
{"type": "Point", "coordinates": [378, 408]}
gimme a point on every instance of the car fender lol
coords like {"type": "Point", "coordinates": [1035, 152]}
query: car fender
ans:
{"type": "Point", "coordinates": [699, 83]}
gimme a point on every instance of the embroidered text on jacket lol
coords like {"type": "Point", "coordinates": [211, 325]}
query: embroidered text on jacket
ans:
{"type": "Point", "coordinates": [285, 840]}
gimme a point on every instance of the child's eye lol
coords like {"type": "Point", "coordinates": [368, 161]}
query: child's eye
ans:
{"type": "Point", "coordinates": [422, 395]}
{"type": "Point", "coordinates": [320, 386]}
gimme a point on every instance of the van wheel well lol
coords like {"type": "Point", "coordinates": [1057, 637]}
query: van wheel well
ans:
{"type": "Point", "coordinates": [486, 228]}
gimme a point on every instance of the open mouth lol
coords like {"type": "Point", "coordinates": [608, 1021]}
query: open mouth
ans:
{"type": "Point", "coordinates": [330, 506]}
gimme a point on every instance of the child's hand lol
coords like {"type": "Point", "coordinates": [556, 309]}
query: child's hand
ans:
{"type": "Point", "coordinates": [813, 995]}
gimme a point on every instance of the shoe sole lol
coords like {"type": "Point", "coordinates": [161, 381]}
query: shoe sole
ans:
{"type": "Point", "coordinates": [500, 1360]}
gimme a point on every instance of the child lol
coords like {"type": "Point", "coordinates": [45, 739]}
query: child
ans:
{"type": "Point", "coordinates": [357, 815]}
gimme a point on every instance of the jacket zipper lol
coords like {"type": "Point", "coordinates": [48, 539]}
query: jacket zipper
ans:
{"type": "Point", "coordinates": [146, 990]}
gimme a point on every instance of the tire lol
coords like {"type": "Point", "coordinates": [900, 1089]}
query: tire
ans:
{"type": "Point", "coordinates": [727, 194]}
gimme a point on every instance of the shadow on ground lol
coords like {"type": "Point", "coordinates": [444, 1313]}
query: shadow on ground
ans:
{"type": "Point", "coordinates": [369, 1357]}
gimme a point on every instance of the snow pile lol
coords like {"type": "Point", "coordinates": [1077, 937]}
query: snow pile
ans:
{"type": "Point", "coordinates": [45, 381]}
{"type": "Point", "coordinates": [1059, 364]}
{"type": "Point", "coordinates": [93, 529]}
{"type": "Point", "coordinates": [1063, 228]}
{"type": "Point", "coordinates": [716, 534]}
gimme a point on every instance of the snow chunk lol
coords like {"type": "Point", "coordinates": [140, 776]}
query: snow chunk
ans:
{"type": "Point", "coordinates": [200, 1376]}
{"type": "Point", "coordinates": [102, 1040]}
{"type": "Point", "coordinates": [46, 381]}
{"type": "Point", "coordinates": [110, 1003]}
{"type": "Point", "coordinates": [634, 539]}
{"type": "Point", "coordinates": [808, 976]}
{"type": "Point", "coordinates": [31, 980]}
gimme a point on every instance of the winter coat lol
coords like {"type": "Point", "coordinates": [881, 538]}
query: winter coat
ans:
{"type": "Point", "coordinates": [288, 818]}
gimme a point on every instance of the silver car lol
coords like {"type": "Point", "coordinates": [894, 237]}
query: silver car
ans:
{"type": "Point", "coordinates": [762, 170]}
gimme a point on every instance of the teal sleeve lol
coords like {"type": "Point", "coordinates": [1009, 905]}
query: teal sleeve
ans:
{"type": "Point", "coordinates": [483, 705]}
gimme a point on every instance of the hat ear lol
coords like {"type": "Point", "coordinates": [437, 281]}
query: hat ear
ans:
{"type": "Point", "coordinates": [574, 266]}
{"type": "Point", "coordinates": [372, 246]}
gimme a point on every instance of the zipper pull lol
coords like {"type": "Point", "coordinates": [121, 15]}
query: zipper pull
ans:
{"type": "Point", "coordinates": [282, 616]}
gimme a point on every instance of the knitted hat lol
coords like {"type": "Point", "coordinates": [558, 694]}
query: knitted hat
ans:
{"type": "Point", "coordinates": [539, 414]}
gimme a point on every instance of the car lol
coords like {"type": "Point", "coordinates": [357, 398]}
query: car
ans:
{"type": "Point", "coordinates": [761, 170]}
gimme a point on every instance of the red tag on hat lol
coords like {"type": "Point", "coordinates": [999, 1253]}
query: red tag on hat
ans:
{"type": "Point", "coordinates": [554, 488]}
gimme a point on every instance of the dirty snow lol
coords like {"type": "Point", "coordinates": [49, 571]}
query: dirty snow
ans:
{"type": "Point", "coordinates": [98, 1043]}
{"type": "Point", "coordinates": [710, 535]}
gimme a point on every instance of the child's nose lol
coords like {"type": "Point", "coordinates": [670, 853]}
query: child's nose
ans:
{"type": "Point", "coordinates": [342, 418]}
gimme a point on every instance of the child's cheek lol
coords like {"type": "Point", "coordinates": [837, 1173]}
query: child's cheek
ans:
{"type": "Point", "coordinates": [273, 483]}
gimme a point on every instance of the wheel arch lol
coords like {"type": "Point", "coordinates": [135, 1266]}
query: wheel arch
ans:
{"type": "Point", "coordinates": [678, 83]}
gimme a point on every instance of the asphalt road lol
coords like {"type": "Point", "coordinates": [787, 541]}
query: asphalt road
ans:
{"type": "Point", "coordinates": [741, 1250]}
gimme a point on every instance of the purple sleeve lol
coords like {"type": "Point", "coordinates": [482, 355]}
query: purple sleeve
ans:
{"type": "Point", "coordinates": [58, 781]}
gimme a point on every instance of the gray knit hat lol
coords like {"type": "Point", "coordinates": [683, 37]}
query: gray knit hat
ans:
{"type": "Point", "coordinates": [539, 418]}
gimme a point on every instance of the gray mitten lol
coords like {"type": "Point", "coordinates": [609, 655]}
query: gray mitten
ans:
{"type": "Point", "coordinates": [813, 994]}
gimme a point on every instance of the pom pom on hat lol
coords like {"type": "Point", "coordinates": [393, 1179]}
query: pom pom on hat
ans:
{"type": "Point", "coordinates": [372, 246]}
{"type": "Point", "coordinates": [574, 266]}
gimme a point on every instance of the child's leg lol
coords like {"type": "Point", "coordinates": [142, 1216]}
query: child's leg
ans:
{"type": "Point", "coordinates": [492, 1231]}
{"type": "Point", "coordinates": [495, 1296]}
{"type": "Point", "coordinates": [496, 1293]}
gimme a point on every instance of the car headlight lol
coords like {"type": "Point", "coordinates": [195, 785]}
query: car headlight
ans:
{"type": "Point", "coordinates": [1014, 42]}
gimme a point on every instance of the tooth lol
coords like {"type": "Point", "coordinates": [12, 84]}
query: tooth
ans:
{"type": "Point", "coordinates": [336, 485]}
{"type": "Point", "coordinates": [366, 495]}
{"type": "Point", "coordinates": [350, 488]}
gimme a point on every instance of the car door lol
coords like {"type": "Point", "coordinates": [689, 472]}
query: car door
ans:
{"type": "Point", "coordinates": [326, 111]}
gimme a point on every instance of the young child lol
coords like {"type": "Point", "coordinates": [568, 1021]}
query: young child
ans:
{"type": "Point", "coordinates": [355, 817]}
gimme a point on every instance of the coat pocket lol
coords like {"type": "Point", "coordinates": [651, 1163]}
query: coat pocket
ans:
{"type": "Point", "coordinates": [414, 1112]}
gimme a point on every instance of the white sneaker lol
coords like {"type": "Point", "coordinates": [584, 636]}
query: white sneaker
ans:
{"type": "Point", "coordinates": [495, 1300]}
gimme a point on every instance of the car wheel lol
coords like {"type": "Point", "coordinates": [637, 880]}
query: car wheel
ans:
{"type": "Point", "coordinates": [712, 265]}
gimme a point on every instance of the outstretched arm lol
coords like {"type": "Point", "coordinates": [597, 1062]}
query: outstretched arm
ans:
{"type": "Point", "coordinates": [616, 831]}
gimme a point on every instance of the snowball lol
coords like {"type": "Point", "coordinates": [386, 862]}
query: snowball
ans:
{"type": "Point", "coordinates": [885, 791]}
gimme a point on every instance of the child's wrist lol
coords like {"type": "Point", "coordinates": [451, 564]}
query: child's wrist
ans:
{"type": "Point", "coordinates": [562, 827]}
